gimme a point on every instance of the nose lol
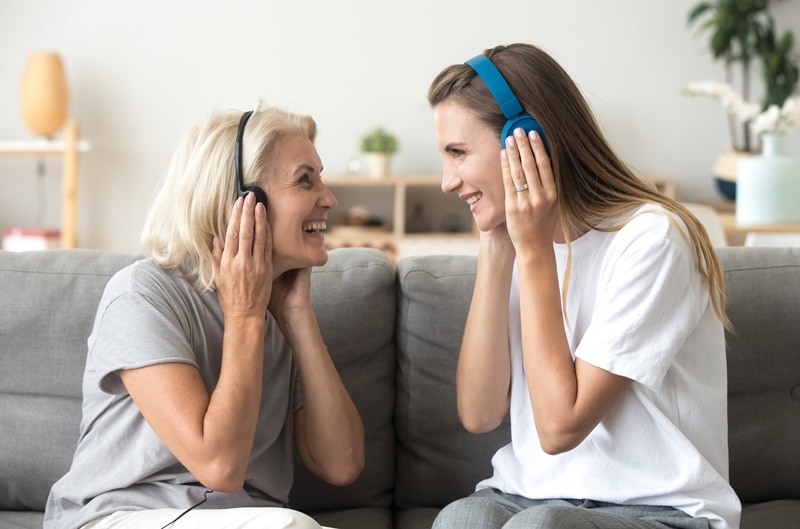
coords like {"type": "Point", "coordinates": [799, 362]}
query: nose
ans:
{"type": "Point", "coordinates": [450, 180]}
{"type": "Point", "coordinates": [328, 200]}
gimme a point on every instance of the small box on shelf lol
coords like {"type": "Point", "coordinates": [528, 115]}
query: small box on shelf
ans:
{"type": "Point", "coordinates": [31, 239]}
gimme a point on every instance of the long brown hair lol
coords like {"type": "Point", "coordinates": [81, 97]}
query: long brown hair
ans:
{"type": "Point", "coordinates": [593, 183]}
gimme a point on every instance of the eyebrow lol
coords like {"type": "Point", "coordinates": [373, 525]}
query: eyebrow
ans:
{"type": "Point", "coordinates": [307, 168]}
{"type": "Point", "coordinates": [452, 146]}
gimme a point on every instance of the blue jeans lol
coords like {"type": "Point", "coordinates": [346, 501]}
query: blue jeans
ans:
{"type": "Point", "coordinates": [492, 509]}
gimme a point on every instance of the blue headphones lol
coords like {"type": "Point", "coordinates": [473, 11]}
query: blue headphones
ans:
{"type": "Point", "coordinates": [516, 117]}
{"type": "Point", "coordinates": [241, 189]}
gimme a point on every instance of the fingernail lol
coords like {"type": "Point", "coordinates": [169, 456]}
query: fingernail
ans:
{"type": "Point", "coordinates": [519, 133]}
{"type": "Point", "coordinates": [533, 135]}
{"type": "Point", "coordinates": [510, 141]}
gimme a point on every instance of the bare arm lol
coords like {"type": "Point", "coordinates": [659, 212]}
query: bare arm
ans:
{"type": "Point", "coordinates": [569, 398]}
{"type": "Point", "coordinates": [328, 429]}
{"type": "Point", "coordinates": [212, 435]}
{"type": "Point", "coordinates": [483, 379]}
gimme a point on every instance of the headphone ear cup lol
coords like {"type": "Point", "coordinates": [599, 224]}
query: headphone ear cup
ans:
{"type": "Point", "coordinates": [261, 196]}
{"type": "Point", "coordinates": [527, 123]}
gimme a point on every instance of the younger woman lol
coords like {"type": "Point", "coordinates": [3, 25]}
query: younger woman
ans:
{"type": "Point", "coordinates": [597, 319]}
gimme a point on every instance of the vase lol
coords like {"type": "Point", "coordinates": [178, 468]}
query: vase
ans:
{"type": "Point", "coordinates": [724, 171]}
{"type": "Point", "coordinates": [43, 94]}
{"type": "Point", "coordinates": [768, 186]}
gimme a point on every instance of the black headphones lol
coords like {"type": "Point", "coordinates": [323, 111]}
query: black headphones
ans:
{"type": "Point", "coordinates": [512, 109]}
{"type": "Point", "coordinates": [241, 189]}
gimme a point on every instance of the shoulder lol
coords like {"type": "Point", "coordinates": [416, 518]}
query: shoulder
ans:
{"type": "Point", "coordinates": [652, 228]}
{"type": "Point", "coordinates": [148, 278]}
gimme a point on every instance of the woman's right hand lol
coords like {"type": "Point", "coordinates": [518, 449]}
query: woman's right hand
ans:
{"type": "Point", "coordinates": [244, 262]}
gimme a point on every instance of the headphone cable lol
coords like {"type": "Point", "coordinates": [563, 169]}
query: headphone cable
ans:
{"type": "Point", "coordinates": [201, 502]}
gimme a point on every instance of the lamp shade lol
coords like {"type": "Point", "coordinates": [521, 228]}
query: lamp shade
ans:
{"type": "Point", "coordinates": [44, 99]}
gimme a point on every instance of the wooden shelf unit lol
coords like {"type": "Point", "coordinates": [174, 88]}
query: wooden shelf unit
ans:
{"type": "Point", "coordinates": [69, 148]}
{"type": "Point", "coordinates": [390, 241]}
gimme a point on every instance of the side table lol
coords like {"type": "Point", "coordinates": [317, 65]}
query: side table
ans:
{"type": "Point", "coordinates": [736, 233]}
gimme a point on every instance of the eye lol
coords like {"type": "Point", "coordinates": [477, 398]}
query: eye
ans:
{"type": "Point", "coordinates": [457, 153]}
{"type": "Point", "coordinates": [305, 181]}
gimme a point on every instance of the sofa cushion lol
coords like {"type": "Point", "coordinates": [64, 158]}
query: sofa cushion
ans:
{"type": "Point", "coordinates": [763, 286]}
{"type": "Point", "coordinates": [354, 299]}
{"type": "Point", "coordinates": [49, 302]}
{"type": "Point", "coordinates": [437, 460]}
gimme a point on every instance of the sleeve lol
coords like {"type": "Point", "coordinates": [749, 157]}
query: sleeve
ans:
{"type": "Point", "coordinates": [650, 297]}
{"type": "Point", "coordinates": [137, 325]}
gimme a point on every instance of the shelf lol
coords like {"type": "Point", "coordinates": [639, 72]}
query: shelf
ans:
{"type": "Point", "coordinates": [69, 148]}
{"type": "Point", "coordinates": [395, 241]}
{"type": "Point", "coordinates": [40, 147]}
{"type": "Point", "coordinates": [736, 233]}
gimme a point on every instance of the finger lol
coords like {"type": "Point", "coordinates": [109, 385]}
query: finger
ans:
{"type": "Point", "coordinates": [232, 234]}
{"type": "Point", "coordinates": [543, 166]}
{"type": "Point", "coordinates": [216, 253]}
{"type": "Point", "coordinates": [508, 182]}
{"type": "Point", "coordinates": [527, 159]}
{"type": "Point", "coordinates": [262, 232]}
{"type": "Point", "coordinates": [515, 166]}
{"type": "Point", "coordinates": [247, 223]}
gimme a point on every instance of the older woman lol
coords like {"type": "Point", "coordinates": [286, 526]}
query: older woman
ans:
{"type": "Point", "coordinates": [206, 367]}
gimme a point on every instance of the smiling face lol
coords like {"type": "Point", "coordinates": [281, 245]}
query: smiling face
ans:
{"type": "Point", "coordinates": [298, 205]}
{"type": "Point", "coordinates": [471, 151]}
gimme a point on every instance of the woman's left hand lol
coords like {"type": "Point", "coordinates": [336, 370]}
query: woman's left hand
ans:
{"type": "Point", "coordinates": [531, 196]}
{"type": "Point", "coordinates": [291, 290]}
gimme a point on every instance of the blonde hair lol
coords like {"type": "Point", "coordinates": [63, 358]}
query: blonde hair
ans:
{"type": "Point", "coordinates": [196, 194]}
{"type": "Point", "coordinates": [593, 183]}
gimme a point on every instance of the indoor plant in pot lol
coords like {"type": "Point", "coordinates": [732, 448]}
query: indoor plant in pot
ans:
{"type": "Point", "coordinates": [742, 35]}
{"type": "Point", "coordinates": [378, 147]}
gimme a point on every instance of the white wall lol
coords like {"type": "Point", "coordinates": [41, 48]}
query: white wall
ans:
{"type": "Point", "coordinates": [141, 71]}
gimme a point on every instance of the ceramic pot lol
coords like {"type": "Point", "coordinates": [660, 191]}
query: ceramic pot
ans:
{"type": "Point", "coordinates": [768, 186]}
{"type": "Point", "coordinates": [378, 164]}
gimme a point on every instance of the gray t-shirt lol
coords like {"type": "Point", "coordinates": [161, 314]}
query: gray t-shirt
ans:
{"type": "Point", "coordinates": [149, 315]}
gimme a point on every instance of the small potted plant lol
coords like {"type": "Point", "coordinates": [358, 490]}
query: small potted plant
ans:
{"type": "Point", "coordinates": [378, 147]}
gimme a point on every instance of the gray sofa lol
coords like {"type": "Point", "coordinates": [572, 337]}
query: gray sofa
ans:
{"type": "Point", "coordinates": [394, 333]}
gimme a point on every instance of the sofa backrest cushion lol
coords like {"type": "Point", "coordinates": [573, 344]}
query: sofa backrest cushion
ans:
{"type": "Point", "coordinates": [437, 460]}
{"type": "Point", "coordinates": [763, 287]}
{"type": "Point", "coordinates": [49, 300]}
{"type": "Point", "coordinates": [354, 299]}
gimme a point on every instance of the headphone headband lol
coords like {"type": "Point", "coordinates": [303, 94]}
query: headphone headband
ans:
{"type": "Point", "coordinates": [515, 115]}
{"type": "Point", "coordinates": [497, 85]}
{"type": "Point", "coordinates": [237, 153]}
{"type": "Point", "coordinates": [241, 190]}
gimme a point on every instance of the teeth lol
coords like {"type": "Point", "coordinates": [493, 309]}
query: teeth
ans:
{"type": "Point", "coordinates": [474, 198]}
{"type": "Point", "coordinates": [315, 226]}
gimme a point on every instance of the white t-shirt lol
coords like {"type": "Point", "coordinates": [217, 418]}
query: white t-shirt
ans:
{"type": "Point", "coordinates": [637, 307]}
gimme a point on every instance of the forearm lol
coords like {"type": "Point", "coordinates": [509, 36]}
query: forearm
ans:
{"type": "Point", "coordinates": [229, 424]}
{"type": "Point", "coordinates": [484, 367]}
{"type": "Point", "coordinates": [330, 434]}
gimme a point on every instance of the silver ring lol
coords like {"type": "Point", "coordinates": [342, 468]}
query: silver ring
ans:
{"type": "Point", "coordinates": [523, 187]}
